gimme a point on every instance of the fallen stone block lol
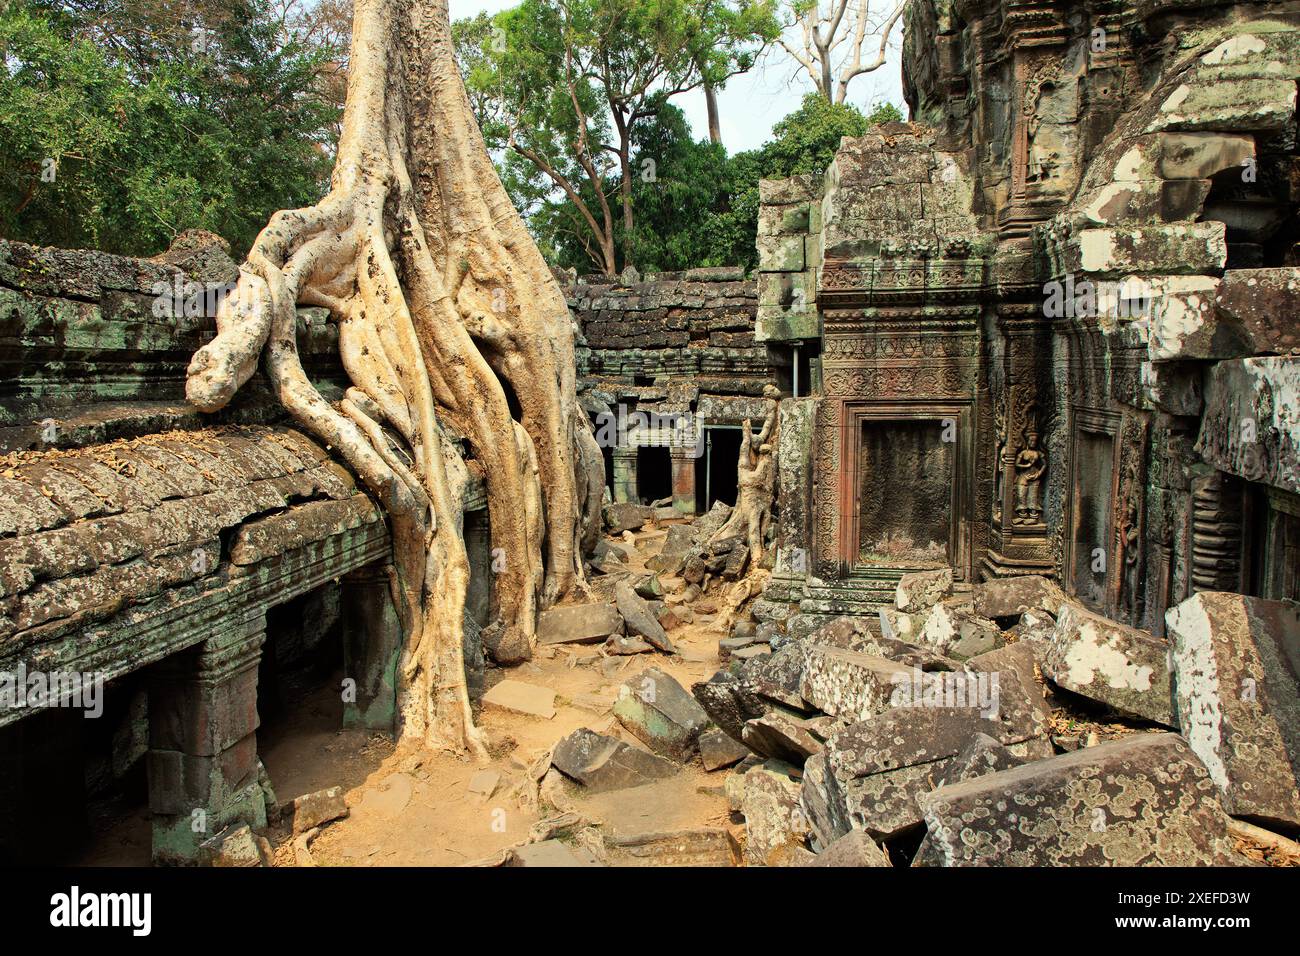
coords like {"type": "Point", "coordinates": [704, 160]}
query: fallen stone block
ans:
{"type": "Point", "coordinates": [876, 769]}
{"type": "Point", "coordinates": [1145, 800]}
{"type": "Point", "coordinates": [659, 712]}
{"type": "Point", "coordinates": [955, 630]}
{"type": "Point", "coordinates": [626, 516]}
{"type": "Point", "coordinates": [922, 589]}
{"type": "Point", "coordinates": [621, 645]}
{"type": "Point", "coordinates": [757, 686]}
{"type": "Point", "coordinates": [520, 697]}
{"type": "Point", "coordinates": [719, 750]}
{"type": "Point", "coordinates": [1238, 699]}
{"type": "Point", "coordinates": [1119, 666]}
{"type": "Point", "coordinates": [847, 684]}
{"type": "Point", "coordinates": [982, 755]}
{"type": "Point", "coordinates": [854, 849]}
{"type": "Point", "coordinates": [1011, 597]}
{"type": "Point", "coordinates": [549, 853]}
{"type": "Point", "coordinates": [706, 846]}
{"type": "Point", "coordinates": [640, 618]}
{"type": "Point", "coordinates": [317, 809]}
{"type": "Point", "coordinates": [603, 763]}
{"type": "Point", "coordinates": [235, 846]}
{"type": "Point", "coordinates": [900, 625]}
{"type": "Point", "coordinates": [781, 736]}
{"type": "Point", "coordinates": [1019, 706]}
{"type": "Point", "coordinates": [578, 624]}
{"type": "Point", "coordinates": [773, 820]}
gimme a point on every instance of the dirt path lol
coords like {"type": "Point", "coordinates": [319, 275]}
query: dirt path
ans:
{"type": "Point", "coordinates": [416, 808]}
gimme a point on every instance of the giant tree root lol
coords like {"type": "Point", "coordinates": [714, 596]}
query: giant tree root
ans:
{"type": "Point", "coordinates": [755, 484]}
{"type": "Point", "coordinates": [445, 308]}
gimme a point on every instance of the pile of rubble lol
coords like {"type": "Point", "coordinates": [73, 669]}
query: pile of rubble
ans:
{"type": "Point", "coordinates": [943, 739]}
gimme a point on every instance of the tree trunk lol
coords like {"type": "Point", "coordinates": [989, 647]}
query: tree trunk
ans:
{"type": "Point", "coordinates": [443, 302]}
{"type": "Point", "coordinates": [711, 103]}
{"type": "Point", "coordinates": [625, 188]}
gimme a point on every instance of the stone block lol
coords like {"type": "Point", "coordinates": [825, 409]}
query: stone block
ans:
{"type": "Point", "coordinates": [602, 763]}
{"type": "Point", "coordinates": [578, 624]}
{"type": "Point", "coordinates": [1144, 800]}
{"type": "Point", "coordinates": [1238, 699]}
{"type": "Point", "coordinates": [921, 590]}
{"type": "Point", "coordinates": [316, 809]}
{"type": "Point", "coordinates": [520, 697]}
{"type": "Point", "coordinates": [659, 712]}
{"type": "Point", "coordinates": [1119, 666]}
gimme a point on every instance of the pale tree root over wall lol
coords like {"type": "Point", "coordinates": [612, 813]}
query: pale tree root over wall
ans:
{"type": "Point", "coordinates": [755, 483]}
{"type": "Point", "coordinates": [443, 304]}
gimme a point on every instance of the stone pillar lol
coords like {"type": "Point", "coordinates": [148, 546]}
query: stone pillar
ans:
{"type": "Point", "coordinates": [625, 475]}
{"type": "Point", "coordinates": [372, 643]}
{"type": "Point", "coordinates": [684, 479]}
{"type": "Point", "coordinates": [202, 761]}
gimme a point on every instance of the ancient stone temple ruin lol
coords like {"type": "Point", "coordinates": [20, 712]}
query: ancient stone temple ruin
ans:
{"type": "Point", "coordinates": [1036, 458]}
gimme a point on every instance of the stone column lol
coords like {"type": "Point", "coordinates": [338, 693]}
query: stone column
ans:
{"type": "Point", "coordinates": [372, 643]}
{"type": "Point", "coordinates": [625, 475]}
{"type": "Point", "coordinates": [202, 761]}
{"type": "Point", "coordinates": [684, 479]}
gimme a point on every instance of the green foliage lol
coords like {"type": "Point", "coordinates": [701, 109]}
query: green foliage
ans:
{"type": "Point", "coordinates": [118, 137]}
{"type": "Point", "coordinates": [701, 208]}
{"type": "Point", "coordinates": [565, 86]}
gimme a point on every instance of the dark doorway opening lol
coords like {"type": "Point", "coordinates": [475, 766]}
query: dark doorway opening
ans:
{"type": "Point", "coordinates": [654, 474]}
{"type": "Point", "coordinates": [303, 650]}
{"type": "Point", "coordinates": [715, 470]}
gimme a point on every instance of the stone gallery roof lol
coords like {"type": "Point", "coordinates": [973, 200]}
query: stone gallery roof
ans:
{"type": "Point", "coordinates": [86, 533]}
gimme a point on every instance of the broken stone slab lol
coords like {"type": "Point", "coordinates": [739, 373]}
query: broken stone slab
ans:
{"type": "Point", "coordinates": [520, 697]}
{"type": "Point", "coordinates": [705, 846]}
{"type": "Point", "coordinates": [1012, 597]}
{"type": "Point", "coordinates": [920, 590]}
{"type": "Point", "coordinates": [955, 630]}
{"type": "Point", "coordinates": [1238, 700]}
{"type": "Point", "coordinates": [484, 783]}
{"type": "Point", "coordinates": [676, 545]}
{"type": "Point", "coordinates": [847, 684]}
{"type": "Point", "coordinates": [649, 588]}
{"type": "Point", "coordinates": [757, 686]}
{"type": "Point", "coordinates": [900, 625]}
{"type": "Point", "coordinates": [640, 618]}
{"type": "Point", "coordinates": [752, 651]}
{"type": "Point", "coordinates": [876, 769]}
{"type": "Point", "coordinates": [773, 818]}
{"type": "Point", "coordinates": [578, 624]}
{"type": "Point", "coordinates": [1119, 666]}
{"type": "Point", "coordinates": [1144, 800]}
{"type": "Point", "coordinates": [317, 809]}
{"type": "Point", "coordinates": [1019, 706]}
{"type": "Point", "coordinates": [855, 849]}
{"type": "Point", "coordinates": [602, 763]}
{"type": "Point", "coordinates": [982, 755]}
{"type": "Point", "coordinates": [626, 516]}
{"type": "Point", "coordinates": [235, 846]}
{"type": "Point", "coordinates": [719, 750]}
{"type": "Point", "coordinates": [621, 645]}
{"type": "Point", "coordinates": [659, 712]}
{"type": "Point", "coordinates": [781, 736]}
{"type": "Point", "coordinates": [549, 853]}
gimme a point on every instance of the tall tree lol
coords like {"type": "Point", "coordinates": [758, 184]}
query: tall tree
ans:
{"type": "Point", "coordinates": [835, 38]}
{"type": "Point", "coordinates": [568, 81]}
{"type": "Point", "coordinates": [123, 124]}
{"type": "Point", "coordinates": [451, 328]}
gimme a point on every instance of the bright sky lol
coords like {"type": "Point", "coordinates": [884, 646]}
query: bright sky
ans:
{"type": "Point", "coordinates": [752, 102]}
